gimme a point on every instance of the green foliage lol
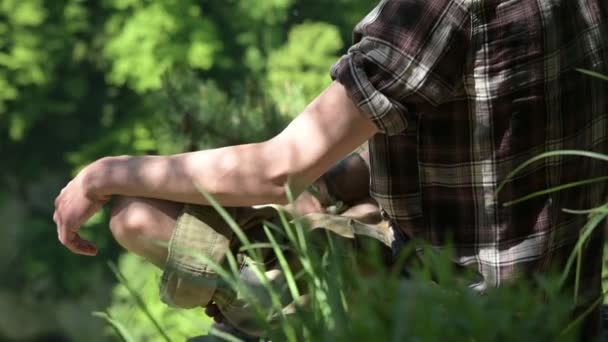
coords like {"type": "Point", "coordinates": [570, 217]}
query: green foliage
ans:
{"type": "Point", "coordinates": [146, 39]}
{"type": "Point", "coordinates": [302, 64]}
{"type": "Point", "coordinates": [22, 63]}
{"type": "Point", "coordinates": [32, 36]}
{"type": "Point", "coordinates": [269, 12]}
{"type": "Point", "coordinates": [142, 317]}
{"type": "Point", "coordinates": [205, 115]}
{"type": "Point", "coordinates": [80, 80]}
{"type": "Point", "coordinates": [84, 79]}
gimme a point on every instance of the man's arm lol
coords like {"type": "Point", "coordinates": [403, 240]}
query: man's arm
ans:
{"type": "Point", "coordinates": [329, 128]}
{"type": "Point", "coordinates": [347, 181]}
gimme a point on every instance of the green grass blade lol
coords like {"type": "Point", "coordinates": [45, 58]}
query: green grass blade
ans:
{"type": "Point", "coordinates": [286, 226]}
{"type": "Point", "coordinates": [577, 276]}
{"type": "Point", "coordinates": [592, 223]}
{"type": "Point", "coordinates": [260, 245]}
{"type": "Point", "coordinates": [277, 230]}
{"type": "Point", "coordinates": [118, 327]}
{"type": "Point", "coordinates": [274, 296]}
{"type": "Point", "coordinates": [224, 336]}
{"type": "Point", "coordinates": [138, 301]}
{"type": "Point", "coordinates": [586, 313]}
{"type": "Point", "coordinates": [555, 189]}
{"type": "Point", "coordinates": [302, 255]}
{"type": "Point", "coordinates": [601, 209]}
{"type": "Point", "coordinates": [541, 156]}
{"type": "Point", "coordinates": [275, 300]}
{"type": "Point", "coordinates": [297, 221]}
{"type": "Point", "coordinates": [226, 216]}
{"type": "Point", "coordinates": [232, 280]}
{"type": "Point", "coordinates": [291, 282]}
{"type": "Point", "coordinates": [593, 74]}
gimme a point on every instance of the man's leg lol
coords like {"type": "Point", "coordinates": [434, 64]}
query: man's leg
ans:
{"type": "Point", "coordinates": [144, 226]}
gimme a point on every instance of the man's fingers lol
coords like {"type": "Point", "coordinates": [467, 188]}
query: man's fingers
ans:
{"type": "Point", "coordinates": [72, 208]}
{"type": "Point", "coordinates": [80, 246]}
{"type": "Point", "coordinates": [63, 234]}
{"type": "Point", "coordinates": [75, 243]}
{"type": "Point", "coordinates": [85, 247]}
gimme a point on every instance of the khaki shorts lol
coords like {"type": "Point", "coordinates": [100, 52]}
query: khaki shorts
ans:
{"type": "Point", "coordinates": [189, 281]}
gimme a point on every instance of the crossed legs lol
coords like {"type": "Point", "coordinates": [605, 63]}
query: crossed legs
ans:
{"type": "Point", "coordinates": [144, 226]}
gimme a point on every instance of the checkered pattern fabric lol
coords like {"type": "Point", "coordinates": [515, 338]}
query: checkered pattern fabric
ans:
{"type": "Point", "coordinates": [463, 91]}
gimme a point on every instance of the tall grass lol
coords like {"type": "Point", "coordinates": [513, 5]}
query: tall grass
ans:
{"type": "Point", "coordinates": [334, 299]}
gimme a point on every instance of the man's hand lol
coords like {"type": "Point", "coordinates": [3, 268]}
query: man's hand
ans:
{"type": "Point", "coordinates": [306, 204]}
{"type": "Point", "coordinates": [75, 204]}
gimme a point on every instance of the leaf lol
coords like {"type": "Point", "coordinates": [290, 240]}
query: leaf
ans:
{"type": "Point", "coordinates": [593, 74]}
{"type": "Point", "coordinates": [594, 220]}
{"type": "Point", "coordinates": [555, 189]}
{"type": "Point", "coordinates": [541, 156]}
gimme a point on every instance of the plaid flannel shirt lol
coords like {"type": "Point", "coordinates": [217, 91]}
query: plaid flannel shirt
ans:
{"type": "Point", "coordinates": [464, 91]}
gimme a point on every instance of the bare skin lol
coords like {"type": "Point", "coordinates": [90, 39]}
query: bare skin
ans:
{"type": "Point", "coordinates": [240, 175]}
{"type": "Point", "coordinates": [144, 226]}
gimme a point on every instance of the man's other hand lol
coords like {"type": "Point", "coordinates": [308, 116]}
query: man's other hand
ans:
{"type": "Point", "coordinates": [74, 205]}
{"type": "Point", "coordinates": [307, 204]}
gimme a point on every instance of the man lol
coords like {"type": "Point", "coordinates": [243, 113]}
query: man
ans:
{"type": "Point", "coordinates": [452, 96]}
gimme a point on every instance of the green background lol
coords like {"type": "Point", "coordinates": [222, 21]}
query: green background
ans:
{"type": "Point", "coordinates": [80, 80]}
{"type": "Point", "coordinates": [84, 79]}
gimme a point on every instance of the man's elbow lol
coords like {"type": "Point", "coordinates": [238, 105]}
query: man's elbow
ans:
{"type": "Point", "coordinates": [286, 172]}
{"type": "Point", "coordinates": [282, 191]}
{"type": "Point", "coordinates": [285, 186]}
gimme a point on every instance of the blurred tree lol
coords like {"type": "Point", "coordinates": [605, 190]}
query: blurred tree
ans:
{"type": "Point", "coordinates": [299, 68]}
{"type": "Point", "coordinates": [144, 39]}
{"type": "Point", "coordinates": [83, 79]}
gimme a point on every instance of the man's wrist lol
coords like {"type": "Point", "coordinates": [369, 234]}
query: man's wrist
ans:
{"type": "Point", "coordinates": [97, 176]}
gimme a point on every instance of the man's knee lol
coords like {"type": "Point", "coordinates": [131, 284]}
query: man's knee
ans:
{"type": "Point", "coordinates": [130, 217]}
{"type": "Point", "coordinates": [143, 225]}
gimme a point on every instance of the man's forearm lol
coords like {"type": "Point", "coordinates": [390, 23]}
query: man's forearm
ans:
{"type": "Point", "coordinates": [329, 128]}
{"type": "Point", "coordinates": [235, 176]}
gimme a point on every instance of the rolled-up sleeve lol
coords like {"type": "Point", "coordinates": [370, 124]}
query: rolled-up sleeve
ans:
{"type": "Point", "coordinates": [404, 52]}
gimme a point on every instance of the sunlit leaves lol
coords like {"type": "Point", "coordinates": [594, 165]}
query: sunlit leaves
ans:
{"type": "Point", "coordinates": [24, 13]}
{"type": "Point", "coordinates": [82, 79]}
{"type": "Point", "coordinates": [267, 11]}
{"type": "Point", "coordinates": [302, 64]}
{"type": "Point", "coordinates": [33, 34]}
{"type": "Point", "coordinates": [144, 43]}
